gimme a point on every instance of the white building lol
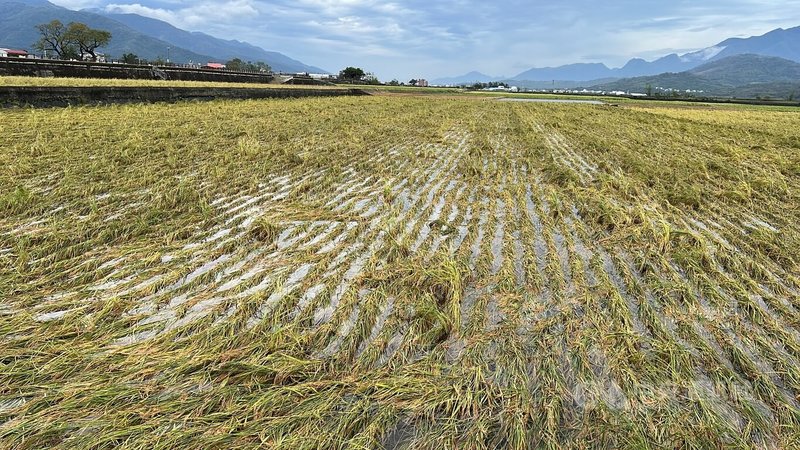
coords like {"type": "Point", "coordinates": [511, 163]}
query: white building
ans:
{"type": "Point", "coordinates": [502, 89]}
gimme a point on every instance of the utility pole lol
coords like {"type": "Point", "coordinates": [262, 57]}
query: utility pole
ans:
{"type": "Point", "coordinates": [168, 55]}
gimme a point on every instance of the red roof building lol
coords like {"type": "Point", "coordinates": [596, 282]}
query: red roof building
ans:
{"type": "Point", "coordinates": [12, 53]}
{"type": "Point", "coordinates": [213, 65]}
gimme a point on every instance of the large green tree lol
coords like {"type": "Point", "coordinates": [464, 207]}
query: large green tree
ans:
{"type": "Point", "coordinates": [239, 65]}
{"type": "Point", "coordinates": [88, 40]}
{"type": "Point", "coordinates": [131, 58]}
{"type": "Point", "coordinates": [54, 40]}
{"type": "Point", "coordinates": [352, 74]}
{"type": "Point", "coordinates": [235, 64]}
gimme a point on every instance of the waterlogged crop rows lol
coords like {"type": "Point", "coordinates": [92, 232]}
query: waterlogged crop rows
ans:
{"type": "Point", "coordinates": [398, 272]}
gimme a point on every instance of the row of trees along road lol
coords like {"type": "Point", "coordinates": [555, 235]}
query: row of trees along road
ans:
{"type": "Point", "coordinates": [73, 41]}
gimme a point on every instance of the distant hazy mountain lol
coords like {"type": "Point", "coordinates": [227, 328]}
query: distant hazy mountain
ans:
{"type": "Point", "coordinates": [469, 78]}
{"type": "Point", "coordinates": [669, 63]}
{"type": "Point", "coordinates": [745, 75]}
{"type": "Point", "coordinates": [575, 72]}
{"type": "Point", "coordinates": [779, 43]}
{"type": "Point", "coordinates": [223, 50]}
{"type": "Point", "coordinates": [148, 38]}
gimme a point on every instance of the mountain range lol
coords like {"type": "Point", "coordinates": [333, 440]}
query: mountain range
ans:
{"type": "Point", "coordinates": [469, 78]}
{"type": "Point", "coordinates": [746, 76]}
{"type": "Point", "coordinates": [148, 38]}
{"type": "Point", "coordinates": [779, 43]}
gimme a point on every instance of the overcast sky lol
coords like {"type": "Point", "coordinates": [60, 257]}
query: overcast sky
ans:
{"type": "Point", "coordinates": [434, 38]}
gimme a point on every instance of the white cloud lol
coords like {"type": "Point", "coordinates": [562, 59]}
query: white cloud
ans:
{"type": "Point", "coordinates": [136, 8]}
{"type": "Point", "coordinates": [196, 16]}
{"type": "Point", "coordinates": [78, 4]}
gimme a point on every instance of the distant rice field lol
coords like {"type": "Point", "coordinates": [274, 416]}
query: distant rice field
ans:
{"type": "Point", "coordinates": [399, 272]}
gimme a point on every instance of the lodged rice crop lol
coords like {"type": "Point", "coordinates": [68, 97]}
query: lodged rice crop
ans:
{"type": "Point", "coordinates": [399, 272]}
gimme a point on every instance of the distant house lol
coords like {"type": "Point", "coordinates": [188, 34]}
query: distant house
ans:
{"type": "Point", "coordinates": [422, 83]}
{"type": "Point", "coordinates": [213, 65]}
{"type": "Point", "coordinates": [12, 53]}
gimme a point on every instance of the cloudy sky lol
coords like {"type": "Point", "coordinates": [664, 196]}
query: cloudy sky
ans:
{"type": "Point", "coordinates": [434, 38]}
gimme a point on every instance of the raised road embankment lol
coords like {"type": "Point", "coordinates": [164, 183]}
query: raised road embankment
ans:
{"type": "Point", "coordinates": [11, 96]}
